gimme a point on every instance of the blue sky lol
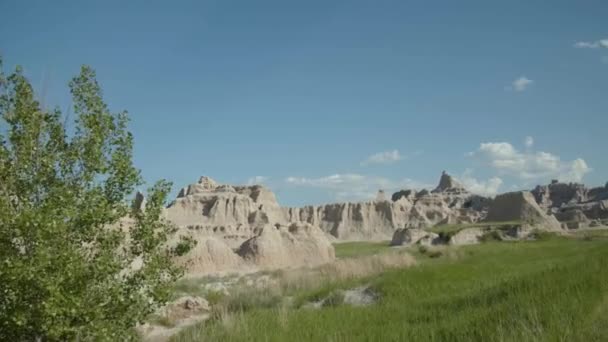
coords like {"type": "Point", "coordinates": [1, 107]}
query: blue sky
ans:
{"type": "Point", "coordinates": [331, 100]}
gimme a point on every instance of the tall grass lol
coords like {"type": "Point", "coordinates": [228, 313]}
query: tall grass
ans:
{"type": "Point", "coordinates": [555, 290]}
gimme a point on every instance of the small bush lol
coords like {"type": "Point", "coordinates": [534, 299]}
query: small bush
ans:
{"type": "Point", "coordinates": [185, 244]}
{"type": "Point", "coordinates": [423, 249]}
{"type": "Point", "coordinates": [215, 297]}
{"type": "Point", "coordinates": [435, 253]}
{"type": "Point", "coordinates": [540, 235]}
{"type": "Point", "coordinates": [430, 252]}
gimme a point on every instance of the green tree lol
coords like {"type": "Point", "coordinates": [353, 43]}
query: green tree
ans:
{"type": "Point", "coordinates": [76, 261]}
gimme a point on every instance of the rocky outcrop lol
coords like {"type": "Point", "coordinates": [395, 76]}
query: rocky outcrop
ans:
{"type": "Point", "coordinates": [350, 221]}
{"type": "Point", "coordinates": [232, 213]}
{"type": "Point", "coordinates": [210, 255]}
{"type": "Point", "coordinates": [448, 203]}
{"type": "Point", "coordinates": [296, 245]}
{"type": "Point", "coordinates": [574, 215]}
{"type": "Point", "coordinates": [572, 203]}
{"type": "Point", "coordinates": [410, 236]}
{"type": "Point", "coordinates": [447, 184]}
{"type": "Point", "coordinates": [240, 228]}
{"type": "Point", "coordinates": [520, 206]}
{"type": "Point", "coordinates": [467, 236]}
{"type": "Point", "coordinates": [558, 194]}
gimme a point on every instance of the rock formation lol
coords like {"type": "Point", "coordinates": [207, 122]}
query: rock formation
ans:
{"type": "Point", "coordinates": [520, 206]}
{"type": "Point", "coordinates": [239, 228]}
{"type": "Point", "coordinates": [244, 227]}
{"type": "Point", "coordinates": [229, 212]}
{"type": "Point", "coordinates": [573, 204]}
{"type": "Point", "coordinates": [448, 184]}
{"type": "Point", "coordinates": [410, 236]}
{"type": "Point", "coordinates": [557, 194]}
{"type": "Point", "coordinates": [209, 255]}
{"type": "Point", "coordinates": [448, 203]}
{"type": "Point", "coordinates": [467, 236]}
{"type": "Point", "coordinates": [373, 220]}
{"type": "Point", "coordinates": [296, 245]}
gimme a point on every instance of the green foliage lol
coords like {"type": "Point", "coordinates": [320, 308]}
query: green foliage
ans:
{"type": "Point", "coordinates": [542, 235]}
{"type": "Point", "coordinates": [215, 297]}
{"type": "Point", "coordinates": [67, 257]}
{"type": "Point", "coordinates": [423, 249]}
{"type": "Point", "coordinates": [431, 252]}
{"type": "Point", "coordinates": [185, 244]}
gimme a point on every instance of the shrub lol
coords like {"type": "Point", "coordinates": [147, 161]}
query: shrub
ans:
{"type": "Point", "coordinates": [72, 269]}
{"type": "Point", "coordinates": [214, 297]}
{"type": "Point", "coordinates": [435, 253]}
{"type": "Point", "coordinates": [423, 249]}
{"type": "Point", "coordinates": [541, 235]}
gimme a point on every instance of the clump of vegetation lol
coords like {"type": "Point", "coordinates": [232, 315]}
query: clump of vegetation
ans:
{"type": "Point", "coordinates": [215, 297]}
{"type": "Point", "coordinates": [430, 251]}
{"type": "Point", "coordinates": [423, 249]}
{"type": "Point", "coordinates": [541, 235]}
{"type": "Point", "coordinates": [71, 268]}
{"type": "Point", "coordinates": [491, 235]}
{"type": "Point", "coordinates": [435, 253]}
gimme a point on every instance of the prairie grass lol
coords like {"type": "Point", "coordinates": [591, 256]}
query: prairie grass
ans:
{"type": "Point", "coordinates": [549, 290]}
{"type": "Point", "coordinates": [360, 248]}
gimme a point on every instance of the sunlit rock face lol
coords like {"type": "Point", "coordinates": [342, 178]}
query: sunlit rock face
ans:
{"type": "Point", "coordinates": [229, 212]}
{"type": "Point", "coordinates": [241, 228]}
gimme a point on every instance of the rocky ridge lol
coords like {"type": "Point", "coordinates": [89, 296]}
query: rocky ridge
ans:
{"type": "Point", "coordinates": [240, 227]}
{"type": "Point", "coordinates": [573, 204]}
{"type": "Point", "coordinates": [448, 203]}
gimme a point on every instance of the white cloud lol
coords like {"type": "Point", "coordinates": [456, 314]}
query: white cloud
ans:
{"type": "Point", "coordinates": [586, 45]}
{"type": "Point", "coordinates": [575, 171]}
{"type": "Point", "coordinates": [529, 141]}
{"type": "Point", "coordinates": [386, 157]}
{"type": "Point", "coordinates": [602, 43]}
{"type": "Point", "coordinates": [485, 188]}
{"type": "Point", "coordinates": [352, 186]}
{"type": "Point", "coordinates": [257, 180]}
{"type": "Point", "coordinates": [521, 84]}
{"type": "Point", "coordinates": [530, 165]}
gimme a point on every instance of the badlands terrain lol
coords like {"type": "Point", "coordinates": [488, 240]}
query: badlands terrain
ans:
{"type": "Point", "coordinates": [440, 264]}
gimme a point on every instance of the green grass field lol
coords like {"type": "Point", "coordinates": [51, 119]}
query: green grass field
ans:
{"type": "Point", "coordinates": [356, 249]}
{"type": "Point", "coordinates": [552, 290]}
